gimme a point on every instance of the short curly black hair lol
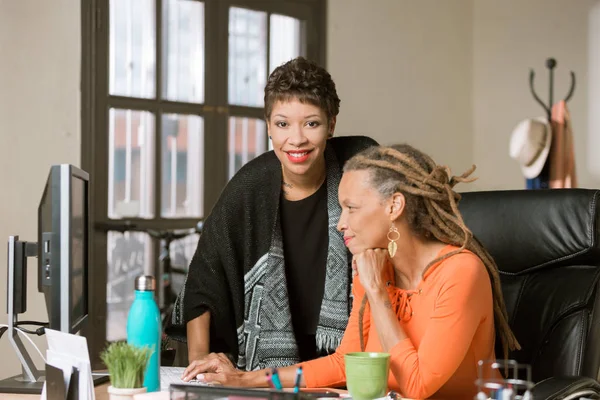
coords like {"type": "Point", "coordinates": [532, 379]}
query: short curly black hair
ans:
{"type": "Point", "coordinates": [305, 81]}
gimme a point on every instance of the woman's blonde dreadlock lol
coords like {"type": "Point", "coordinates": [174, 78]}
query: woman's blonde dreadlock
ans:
{"type": "Point", "coordinates": [432, 212]}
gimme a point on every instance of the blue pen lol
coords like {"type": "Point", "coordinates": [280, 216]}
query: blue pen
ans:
{"type": "Point", "coordinates": [298, 377]}
{"type": "Point", "coordinates": [275, 379]}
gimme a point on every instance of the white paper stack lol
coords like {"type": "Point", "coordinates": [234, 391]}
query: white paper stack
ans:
{"type": "Point", "coordinates": [66, 351]}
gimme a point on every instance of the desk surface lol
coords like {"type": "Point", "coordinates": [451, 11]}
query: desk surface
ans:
{"type": "Point", "coordinates": [102, 394]}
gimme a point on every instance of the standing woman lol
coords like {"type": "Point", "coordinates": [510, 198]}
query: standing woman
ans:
{"type": "Point", "coordinates": [269, 284]}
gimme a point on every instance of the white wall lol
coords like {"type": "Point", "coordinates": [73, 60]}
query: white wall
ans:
{"type": "Point", "coordinates": [39, 125]}
{"type": "Point", "coordinates": [403, 70]}
{"type": "Point", "coordinates": [509, 38]}
{"type": "Point", "coordinates": [593, 148]}
{"type": "Point", "coordinates": [451, 77]}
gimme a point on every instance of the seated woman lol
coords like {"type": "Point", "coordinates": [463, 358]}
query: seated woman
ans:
{"type": "Point", "coordinates": [270, 246]}
{"type": "Point", "coordinates": [425, 291]}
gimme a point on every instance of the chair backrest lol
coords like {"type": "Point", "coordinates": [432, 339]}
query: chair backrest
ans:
{"type": "Point", "coordinates": [546, 245]}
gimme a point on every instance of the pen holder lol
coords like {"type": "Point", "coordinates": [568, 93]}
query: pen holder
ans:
{"type": "Point", "coordinates": [124, 393]}
{"type": "Point", "coordinates": [59, 388]}
{"type": "Point", "coordinates": [503, 380]}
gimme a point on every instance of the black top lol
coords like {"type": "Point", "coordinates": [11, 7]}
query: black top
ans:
{"type": "Point", "coordinates": [240, 238]}
{"type": "Point", "coordinates": [305, 241]}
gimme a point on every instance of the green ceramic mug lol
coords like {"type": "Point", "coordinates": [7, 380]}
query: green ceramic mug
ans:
{"type": "Point", "coordinates": [367, 374]}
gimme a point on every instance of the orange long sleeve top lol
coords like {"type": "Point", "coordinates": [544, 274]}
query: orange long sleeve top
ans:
{"type": "Point", "coordinates": [449, 324]}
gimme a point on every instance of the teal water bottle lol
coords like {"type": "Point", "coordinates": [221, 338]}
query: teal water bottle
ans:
{"type": "Point", "coordinates": [144, 328]}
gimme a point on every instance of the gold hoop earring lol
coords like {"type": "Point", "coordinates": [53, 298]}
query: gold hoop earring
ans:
{"type": "Point", "coordinates": [392, 246]}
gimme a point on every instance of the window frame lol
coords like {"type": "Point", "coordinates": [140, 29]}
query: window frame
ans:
{"type": "Point", "coordinates": [96, 102]}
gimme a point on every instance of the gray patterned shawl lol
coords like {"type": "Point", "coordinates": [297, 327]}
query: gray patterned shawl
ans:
{"type": "Point", "coordinates": [238, 271]}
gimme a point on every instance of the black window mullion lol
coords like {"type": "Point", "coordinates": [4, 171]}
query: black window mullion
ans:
{"type": "Point", "coordinates": [158, 141]}
{"type": "Point", "coordinates": [304, 40]}
{"type": "Point", "coordinates": [140, 223]}
{"type": "Point", "coordinates": [164, 106]}
{"type": "Point", "coordinates": [268, 38]}
{"type": "Point", "coordinates": [132, 103]}
{"type": "Point", "coordinates": [170, 107]}
{"type": "Point", "coordinates": [310, 36]}
{"type": "Point", "coordinates": [296, 9]}
{"type": "Point", "coordinates": [95, 32]}
{"type": "Point", "coordinates": [160, 38]}
{"type": "Point", "coordinates": [211, 98]}
{"type": "Point", "coordinates": [244, 111]}
{"type": "Point", "coordinates": [215, 137]}
{"type": "Point", "coordinates": [320, 31]}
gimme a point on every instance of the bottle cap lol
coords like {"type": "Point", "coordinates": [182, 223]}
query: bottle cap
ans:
{"type": "Point", "coordinates": [145, 283]}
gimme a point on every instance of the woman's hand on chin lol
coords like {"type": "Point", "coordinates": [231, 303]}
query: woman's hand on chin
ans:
{"type": "Point", "coordinates": [214, 368]}
{"type": "Point", "coordinates": [372, 265]}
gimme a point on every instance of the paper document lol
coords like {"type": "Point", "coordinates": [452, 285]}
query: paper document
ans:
{"type": "Point", "coordinates": [66, 351]}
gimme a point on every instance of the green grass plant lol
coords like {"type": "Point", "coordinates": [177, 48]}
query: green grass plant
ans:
{"type": "Point", "coordinates": [126, 364]}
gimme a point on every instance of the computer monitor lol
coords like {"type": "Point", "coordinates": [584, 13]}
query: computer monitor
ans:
{"type": "Point", "coordinates": [62, 252]}
{"type": "Point", "coordinates": [63, 247]}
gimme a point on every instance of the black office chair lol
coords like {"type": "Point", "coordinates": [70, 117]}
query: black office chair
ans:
{"type": "Point", "coordinates": [546, 245]}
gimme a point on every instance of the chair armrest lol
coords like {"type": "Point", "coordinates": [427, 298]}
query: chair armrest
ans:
{"type": "Point", "coordinates": [566, 388]}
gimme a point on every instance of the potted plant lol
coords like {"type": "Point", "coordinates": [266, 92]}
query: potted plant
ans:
{"type": "Point", "coordinates": [126, 365]}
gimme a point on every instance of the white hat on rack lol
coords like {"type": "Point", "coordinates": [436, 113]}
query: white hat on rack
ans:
{"type": "Point", "coordinates": [530, 144]}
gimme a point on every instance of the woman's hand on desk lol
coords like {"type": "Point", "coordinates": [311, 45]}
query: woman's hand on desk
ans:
{"type": "Point", "coordinates": [217, 368]}
{"type": "Point", "coordinates": [212, 366]}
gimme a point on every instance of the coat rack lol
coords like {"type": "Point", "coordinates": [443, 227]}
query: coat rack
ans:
{"type": "Point", "coordinates": [550, 64]}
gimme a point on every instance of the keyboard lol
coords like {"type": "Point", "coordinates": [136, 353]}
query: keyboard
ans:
{"type": "Point", "coordinates": [169, 375]}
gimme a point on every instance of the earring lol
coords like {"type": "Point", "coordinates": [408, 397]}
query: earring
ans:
{"type": "Point", "coordinates": [392, 246]}
{"type": "Point", "coordinates": [271, 137]}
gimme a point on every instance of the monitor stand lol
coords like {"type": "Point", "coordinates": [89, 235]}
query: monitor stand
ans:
{"type": "Point", "coordinates": [31, 380]}
{"type": "Point", "coordinates": [22, 385]}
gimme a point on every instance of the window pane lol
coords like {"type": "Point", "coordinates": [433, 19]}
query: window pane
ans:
{"type": "Point", "coordinates": [183, 166]}
{"type": "Point", "coordinates": [285, 40]}
{"type": "Point", "coordinates": [181, 252]}
{"type": "Point", "coordinates": [247, 139]}
{"type": "Point", "coordinates": [184, 48]}
{"type": "Point", "coordinates": [132, 48]}
{"type": "Point", "coordinates": [129, 255]}
{"type": "Point", "coordinates": [247, 56]}
{"type": "Point", "coordinates": [130, 164]}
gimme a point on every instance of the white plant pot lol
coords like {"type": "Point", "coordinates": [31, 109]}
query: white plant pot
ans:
{"type": "Point", "coordinates": [124, 394]}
